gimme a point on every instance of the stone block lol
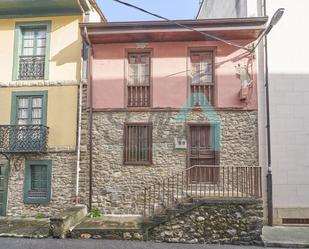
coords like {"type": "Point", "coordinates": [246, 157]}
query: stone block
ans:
{"type": "Point", "coordinates": [61, 224]}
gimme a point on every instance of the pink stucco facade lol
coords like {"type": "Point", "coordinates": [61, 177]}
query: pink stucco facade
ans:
{"type": "Point", "coordinates": [170, 74]}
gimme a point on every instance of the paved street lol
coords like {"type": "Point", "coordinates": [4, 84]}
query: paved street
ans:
{"type": "Point", "coordinates": [8, 243]}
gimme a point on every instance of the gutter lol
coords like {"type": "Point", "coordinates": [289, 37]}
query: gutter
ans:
{"type": "Point", "coordinates": [269, 182]}
{"type": "Point", "coordinates": [217, 22]}
{"type": "Point", "coordinates": [97, 8]}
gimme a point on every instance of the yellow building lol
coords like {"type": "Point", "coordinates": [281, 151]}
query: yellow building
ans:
{"type": "Point", "coordinates": [41, 61]}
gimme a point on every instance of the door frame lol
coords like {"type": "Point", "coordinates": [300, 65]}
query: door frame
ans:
{"type": "Point", "coordinates": [212, 125]}
{"type": "Point", "coordinates": [6, 166]}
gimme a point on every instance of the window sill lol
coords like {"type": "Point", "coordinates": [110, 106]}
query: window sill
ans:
{"type": "Point", "coordinates": [37, 201]}
{"type": "Point", "coordinates": [147, 164]}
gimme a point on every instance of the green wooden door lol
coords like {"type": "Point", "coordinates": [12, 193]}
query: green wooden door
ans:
{"type": "Point", "coordinates": [3, 187]}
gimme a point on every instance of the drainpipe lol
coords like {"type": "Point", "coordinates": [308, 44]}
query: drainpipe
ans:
{"type": "Point", "coordinates": [90, 117]}
{"type": "Point", "coordinates": [80, 108]}
{"type": "Point", "coordinates": [269, 182]}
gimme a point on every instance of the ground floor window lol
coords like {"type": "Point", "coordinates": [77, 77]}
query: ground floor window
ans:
{"type": "Point", "coordinates": [37, 188]}
{"type": "Point", "coordinates": [138, 143]}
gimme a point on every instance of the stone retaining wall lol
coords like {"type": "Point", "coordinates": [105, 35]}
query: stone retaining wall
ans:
{"type": "Point", "coordinates": [218, 221]}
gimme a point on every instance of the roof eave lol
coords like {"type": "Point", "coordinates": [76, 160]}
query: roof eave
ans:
{"type": "Point", "coordinates": [98, 10]}
{"type": "Point", "coordinates": [248, 21]}
{"type": "Point", "coordinates": [248, 28]}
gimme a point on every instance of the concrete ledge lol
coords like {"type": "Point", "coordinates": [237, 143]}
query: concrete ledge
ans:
{"type": "Point", "coordinates": [24, 228]}
{"type": "Point", "coordinates": [227, 201]}
{"type": "Point", "coordinates": [286, 236]}
{"type": "Point", "coordinates": [39, 83]}
{"type": "Point", "coordinates": [109, 227]}
{"type": "Point", "coordinates": [64, 222]}
{"type": "Point", "coordinates": [285, 245]}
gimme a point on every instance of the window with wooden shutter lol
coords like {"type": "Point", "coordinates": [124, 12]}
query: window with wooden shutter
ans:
{"type": "Point", "coordinates": [37, 182]}
{"type": "Point", "coordinates": [138, 83]}
{"type": "Point", "coordinates": [138, 143]}
{"type": "Point", "coordinates": [202, 78]}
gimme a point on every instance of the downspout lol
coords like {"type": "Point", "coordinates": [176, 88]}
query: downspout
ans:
{"type": "Point", "coordinates": [90, 118]}
{"type": "Point", "coordinates": [269, 182]}
{"type": "Point", "coordinates": [80, 108]}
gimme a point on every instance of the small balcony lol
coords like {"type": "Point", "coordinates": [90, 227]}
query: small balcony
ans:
{"type": "Point", "coordinates": [202, 94]}
{"type": "Point", "coordinates": [23, 138]}
{"type": "Point", "coordinates": [31, 67]}
{"type": "Point", "coordinates": [139, 96]}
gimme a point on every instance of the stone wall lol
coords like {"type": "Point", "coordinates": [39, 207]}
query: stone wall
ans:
{"type": "Point", "coordinates": [214, 221]}
{"type": "Point", "coordinates": [118, 188]}
{"type": "Point", "coordinates": [63, 185]}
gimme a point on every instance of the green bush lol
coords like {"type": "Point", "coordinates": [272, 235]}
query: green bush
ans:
{"type": "Point", "coordinates": [23, 216]}
{"type": "Point", "coordinates": [40, 216]}
{"type": "Point", "coordinates": [95, 213]}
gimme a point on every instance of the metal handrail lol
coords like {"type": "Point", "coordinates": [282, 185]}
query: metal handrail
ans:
{"type": "Point", "coordinates": [203, 181]}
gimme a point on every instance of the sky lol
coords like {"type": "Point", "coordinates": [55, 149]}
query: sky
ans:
{"type": "Point", "coordinates": [172, 9]}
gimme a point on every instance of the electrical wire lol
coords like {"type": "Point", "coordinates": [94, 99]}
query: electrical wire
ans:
{"type": "Point", "coordinates": [184, 26]}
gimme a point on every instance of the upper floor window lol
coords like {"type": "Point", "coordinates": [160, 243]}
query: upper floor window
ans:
{"type": "Point", "coordinates": [32, 51]}
{"type": "Point", "coordinates": [138, 83]}
{"type": "Point", "coordinates": [29, 108]}
{"type": "Point", "coordinates": [202, 77]}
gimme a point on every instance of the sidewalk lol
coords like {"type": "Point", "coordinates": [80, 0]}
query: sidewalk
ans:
{"type": "Point", "coordinates": [286, 236]}
{"type": "Point", "coordinates": [24, 228]}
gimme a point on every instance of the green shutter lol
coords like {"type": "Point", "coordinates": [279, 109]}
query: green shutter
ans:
{"type": "Point", "coordinates": [37, 184]}
{"type": "Point", "coordinates": [3, 186]}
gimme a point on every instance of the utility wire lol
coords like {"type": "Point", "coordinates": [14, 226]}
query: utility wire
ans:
{"type": "Point", "coordinates": [184, 26]}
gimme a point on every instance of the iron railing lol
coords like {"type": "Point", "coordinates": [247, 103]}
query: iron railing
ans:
{"type": "Point", "coordinates": [31, 67]}
{"type": "Point", "coordinates": [202, 181]}
{"type": "Point", "coordinates": [23, 138]}
{"type": "Point", "coordinates": [139, 96]}
{"type": "Point", "coordinates": [202, 94]}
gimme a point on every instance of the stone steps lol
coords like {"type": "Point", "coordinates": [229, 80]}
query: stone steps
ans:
{"type": "Point", "coordinates": [168, 214]}
{"type": "Point", "coordinates": [109, 227]}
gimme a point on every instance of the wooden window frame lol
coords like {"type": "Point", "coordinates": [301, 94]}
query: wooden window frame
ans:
{"type": "Point", "coordinates": [125, 138]}
{"type": "Point", "coordinates": [126, 76]}
{"type": "Point", "coordinates": [213, 50]}
{"type": "Point", "coordinates": [15, 95]}
{"type": "Point", "coordinates": [27, 182]}
{"type": "Point", "coordinates": [18, 45]}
